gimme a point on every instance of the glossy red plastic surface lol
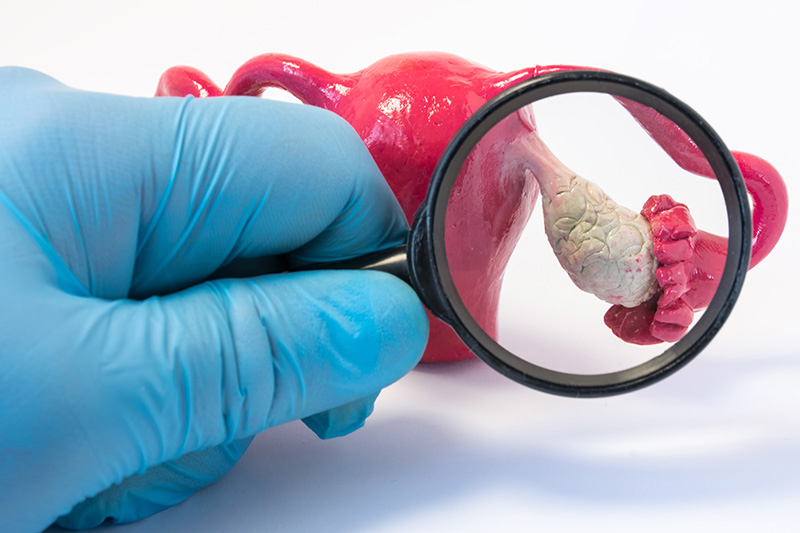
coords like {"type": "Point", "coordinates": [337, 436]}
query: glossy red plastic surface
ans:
{"type": "Point", "coordinates": [407, 107]}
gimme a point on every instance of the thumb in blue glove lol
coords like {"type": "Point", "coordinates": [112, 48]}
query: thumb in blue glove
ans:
{"type": "Point", "coordinates": [127, 379]}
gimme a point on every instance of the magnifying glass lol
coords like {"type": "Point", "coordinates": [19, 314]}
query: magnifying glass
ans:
{"type": "Point", "coordinates": [539, 139]}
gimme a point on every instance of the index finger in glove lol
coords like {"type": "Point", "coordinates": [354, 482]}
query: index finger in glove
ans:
{"type": "Point", "coordinates": [159, 193]}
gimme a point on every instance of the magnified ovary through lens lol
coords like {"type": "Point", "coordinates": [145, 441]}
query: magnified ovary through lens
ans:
{"type": "Point", "coordinates": [652, 266]}
{"type": "Point", "coordinates": [605, 248]}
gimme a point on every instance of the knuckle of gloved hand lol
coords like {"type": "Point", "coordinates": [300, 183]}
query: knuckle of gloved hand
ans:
{"type": "Point", "coordinates": [233, 365]}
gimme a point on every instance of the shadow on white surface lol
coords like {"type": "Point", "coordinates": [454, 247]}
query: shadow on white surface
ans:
{"type": "Point", "coordinates": [678, 451]}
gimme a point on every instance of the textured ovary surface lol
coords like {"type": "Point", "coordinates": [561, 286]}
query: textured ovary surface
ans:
{"type": "Point", "coordinates": [606, 249]}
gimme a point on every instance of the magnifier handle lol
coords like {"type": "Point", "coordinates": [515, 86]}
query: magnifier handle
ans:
{"type": "Point", "coordinates": [391, 260]}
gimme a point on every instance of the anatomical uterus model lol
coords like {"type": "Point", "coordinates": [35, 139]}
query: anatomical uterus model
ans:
{"type": "Point", "coordinates": [654, 267]}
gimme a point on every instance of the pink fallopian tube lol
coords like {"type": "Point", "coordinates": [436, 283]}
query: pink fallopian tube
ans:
{"type": "Point", "coordinates": [407, 107]}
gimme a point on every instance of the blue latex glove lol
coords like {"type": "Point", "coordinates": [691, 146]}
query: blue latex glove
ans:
{"type": "Point", "coordinates": [126, 377]}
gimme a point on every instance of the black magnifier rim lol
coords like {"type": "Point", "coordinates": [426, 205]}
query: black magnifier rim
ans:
{"type": "Point", "coordinates": [429, 247]}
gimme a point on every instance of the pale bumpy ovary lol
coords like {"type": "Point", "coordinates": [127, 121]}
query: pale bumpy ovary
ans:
{"type": "Point", "coordinates": [606, 248]}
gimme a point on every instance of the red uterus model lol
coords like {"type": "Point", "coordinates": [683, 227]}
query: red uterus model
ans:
{"type": "Point", "coordinates": [407, 107]}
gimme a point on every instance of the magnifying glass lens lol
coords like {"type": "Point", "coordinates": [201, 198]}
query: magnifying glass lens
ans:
{"type": "Point", "coordinates": [583, 235]}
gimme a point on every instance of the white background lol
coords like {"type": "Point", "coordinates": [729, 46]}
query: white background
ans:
{"type": "Point", "coordinates": [456, 447]}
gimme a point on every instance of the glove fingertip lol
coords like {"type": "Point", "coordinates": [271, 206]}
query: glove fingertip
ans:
{"type": "Point", "coordinates": [409, 321]}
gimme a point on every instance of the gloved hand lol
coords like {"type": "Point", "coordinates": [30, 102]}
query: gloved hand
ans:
{"type": "Point", "coordinates": [125, 376]}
